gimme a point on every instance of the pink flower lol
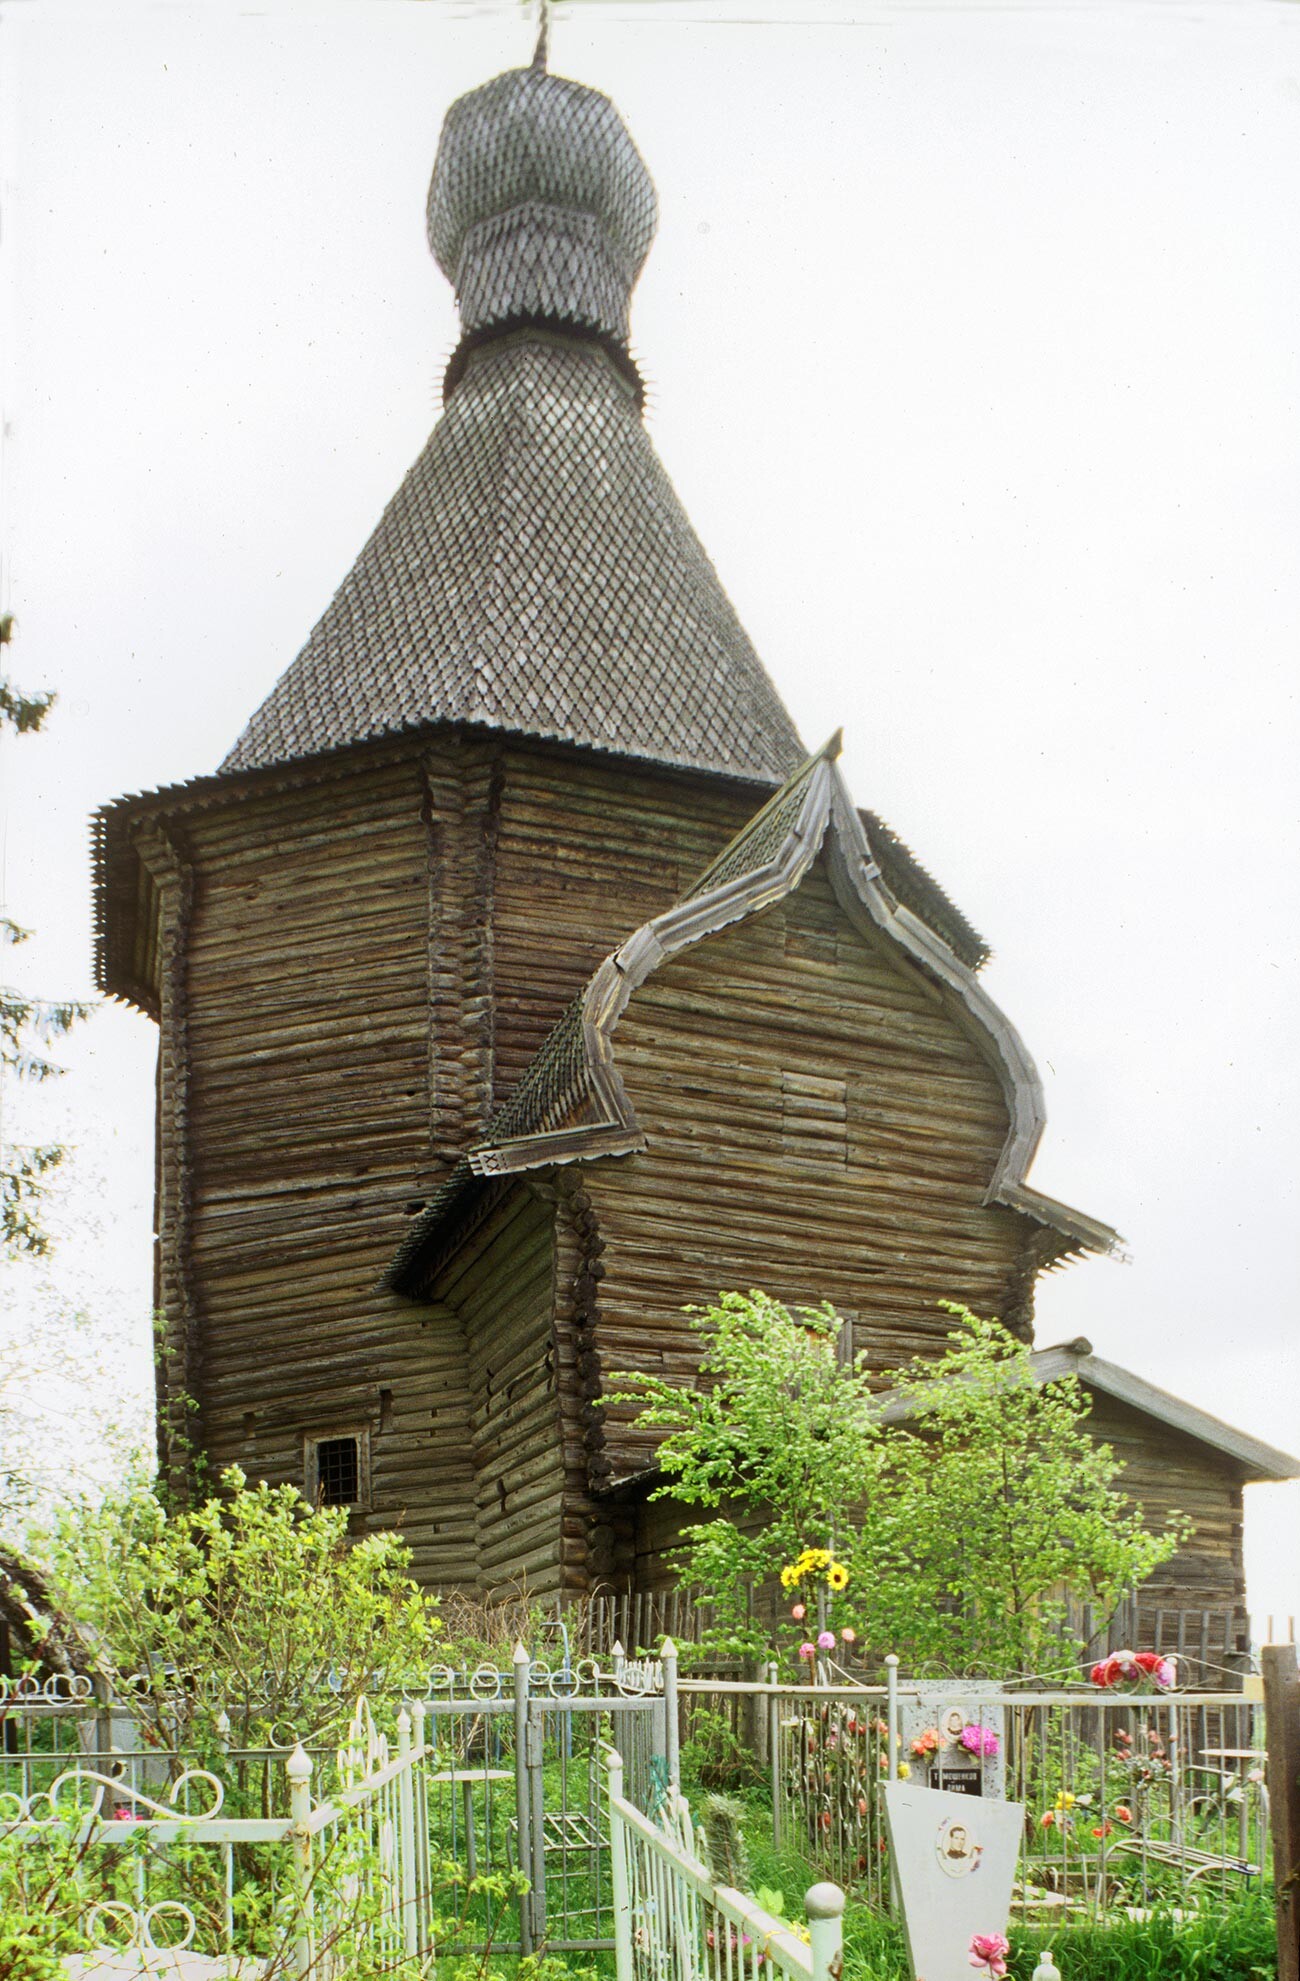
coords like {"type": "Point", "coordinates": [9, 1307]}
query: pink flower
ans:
{"type": "Point", "coordinates": [121, 1815]}
{"type": "Point", "coordinates": [826, 1640]}
{"type": "Point", "coordinates": [798, 1612]}
{"type": "Point", "coordinates": [849, 1635]}
{"type": "Point", "coordinates": [807, 1650]}
{"type": "Point", "coordinates": [979, 1740]}
{"type": "Point", "coordinates": [989, 1951]}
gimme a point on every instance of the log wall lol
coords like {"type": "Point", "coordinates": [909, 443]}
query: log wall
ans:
{"type": "Point", "coordinates": [502, 1287]}
{"type": "Point", "coordinates": [817, 1126]}
{"type": "Point", "coordinates": [352, 965]}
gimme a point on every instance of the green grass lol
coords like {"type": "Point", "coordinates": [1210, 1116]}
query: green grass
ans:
{"type": "Point", "coordinates": [1226, 1939]}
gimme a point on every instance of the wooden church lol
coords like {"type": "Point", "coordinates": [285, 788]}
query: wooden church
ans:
{"type": "Point", "coordinates": [521, 978]}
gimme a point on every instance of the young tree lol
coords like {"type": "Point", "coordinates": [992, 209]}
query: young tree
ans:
{"type": "Point", "coordinates": [253, 1603]}
{"type": "Point", "coordinates": [26, 1024]}
{"type": "Point", "coordinates": [778, 1441]}
{"type": "Point", "coordinates": [954, 1520]}
{"type": "Point", "coordinates": [1003, 1506]}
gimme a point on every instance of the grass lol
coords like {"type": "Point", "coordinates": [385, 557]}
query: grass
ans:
{"type": "Point", "coordinates": [1226, 1939]}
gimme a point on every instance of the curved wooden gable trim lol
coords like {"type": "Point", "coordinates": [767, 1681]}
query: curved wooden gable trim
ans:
{"type": "Point", "coordinates": [827, 811]}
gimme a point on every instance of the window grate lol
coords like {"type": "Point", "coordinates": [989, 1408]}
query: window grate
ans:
{"type": "Point", "coordinates": [338, 1472]}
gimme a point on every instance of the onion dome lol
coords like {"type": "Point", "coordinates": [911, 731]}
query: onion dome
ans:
{"type": "Point", "coordinates": [541, 208]}
{"type": "Point", "coordinates": [536, 573]}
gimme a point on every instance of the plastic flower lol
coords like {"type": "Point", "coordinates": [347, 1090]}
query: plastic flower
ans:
{"type": "Point", "coordinates": [1064, 1800]}
{"type": "Point", "coordinates": [1103, 1829]}
{"type": "Point", "coordinates": [926, 1743]}
{"type": "Point", "coordinates": [989, 1951]}
{"type": "Point", "coordinates": [826, 1640]}
{"type": "Point", "coordinates": [837, 1575]}
{"type": "Point", "coordinates": [1047, 1820]}
{"type": "Point", "coordinates": [849, 1635]}
{"type": "Point", "coordinates": [979, 1740]}
{"type": "Point", "coordinates": [807, 1650]}
{"type": "Point", "coordinates": [904, 1771]}
{"type": "Point", "coordinates": [1123, 1814]}
{"type": "Point", "coordinates": [799, 1612]}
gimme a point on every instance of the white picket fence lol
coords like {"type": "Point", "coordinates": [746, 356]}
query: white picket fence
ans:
{"type": "Point", "coordinates": [673, 1923]}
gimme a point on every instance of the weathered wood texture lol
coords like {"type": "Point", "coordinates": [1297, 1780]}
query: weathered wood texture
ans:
{"type": "Point", "coordinates": [1282, 1721]}
{"type": "Point", "coordinates": [817, 1126]}
{"type": "Point", "coordinates": [503, 1290]}
{"type": "Point", "coordinates": [349, 971]}
{"type": "Point", "coordinates": [1193, 1605]}
{"type": "Point", "coordinates": [587, 851]}
{"type": "Point", "coordinates": [178, 1346]}
{"type": "Point", "coordinates": [1164, 1472]}
{"type": "Point", "coordinates": [308, 1039]}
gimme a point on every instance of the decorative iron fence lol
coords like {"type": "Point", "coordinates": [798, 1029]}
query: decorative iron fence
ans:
{"type": "Point", "coordinates": [673, 1923]}
{"type": "Point", "coordinates": [1132, 1800]}
{"type": "Point", "coordinates": [508, 1787]}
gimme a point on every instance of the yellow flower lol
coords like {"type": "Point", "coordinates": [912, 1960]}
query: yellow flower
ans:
{"type": "Point", "coordinates": [1065, 1800]}
{"type": "Point", "coordinates": [837, 1575]}
{"type": "Point", "coordinates": [904, 1771]}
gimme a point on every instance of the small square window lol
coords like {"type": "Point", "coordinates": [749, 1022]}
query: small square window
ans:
{"type": "Point", "coordinates": [336, 1469]}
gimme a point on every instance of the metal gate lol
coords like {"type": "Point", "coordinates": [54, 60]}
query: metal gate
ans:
{"type": "Point", "coordinates": [518, 1784]}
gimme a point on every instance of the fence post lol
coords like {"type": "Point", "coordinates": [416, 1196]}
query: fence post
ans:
{"type": "Point", "coordinates": [298, 1770]}
{"type": "Point", "coordinates": [420, 1786]}
{"type": "Point", "coordinates": [672, 1729]}
{"type": "Point", "coordinates": [406, 1831]}
{"type": "Point", "coordinates": [618, 1869]}
{"type": "Point", "coordinates": [521, 1668]}
{"type": "Point", "coordinates": [894, 1736]}
{"type": "Point", "coordinates": [1282, 1739]}
{"type": "Point", "coordinates": [891, 1716]}
{"type": "Point", "coordinates": [774, 1751]}
{"type": "Point", "coordinates": [824, 1905]}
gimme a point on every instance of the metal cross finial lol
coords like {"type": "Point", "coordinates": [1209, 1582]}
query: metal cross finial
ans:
{"type": "Point", "coordinates": [543, 34]}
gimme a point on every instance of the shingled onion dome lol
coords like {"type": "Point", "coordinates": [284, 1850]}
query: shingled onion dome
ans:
{"type": "Point", "coordinates": [536, 573]}
{"type": "Point", "coordinates": [540, 209]}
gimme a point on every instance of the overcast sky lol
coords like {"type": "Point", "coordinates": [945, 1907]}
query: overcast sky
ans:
{"type": "Point", "coordinates": [971, 337]}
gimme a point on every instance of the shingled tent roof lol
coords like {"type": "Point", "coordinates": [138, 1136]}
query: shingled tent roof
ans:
{"type": "Point", "coordinates": [571, 1104]}
{"type": "Point", "coordinates": [535, 571]}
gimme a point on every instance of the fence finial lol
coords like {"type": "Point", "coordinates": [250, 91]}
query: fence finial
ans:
{"type": "Point", "coordinates": [824, 1905]}
{"type": "Point", "coordinates": [520, 1655]}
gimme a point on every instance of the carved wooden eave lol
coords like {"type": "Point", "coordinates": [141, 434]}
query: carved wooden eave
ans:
{"type": "Point", "coordinates": [572, 1104]}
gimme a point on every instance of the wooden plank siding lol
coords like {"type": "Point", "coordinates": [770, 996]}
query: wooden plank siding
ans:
{"type": "Point", "coordinates": [308, 1040]}
{"type": "Point", "coordinates": [1165, 1470]}
{"type": "Point", "coordinates": [584, 857]}
{"type": "Point", "coordinates": [502, 1288]}
{"type": "Point", "coordinates": [351, 970]}
{"type": "Point", "coordinates": [817, 1126]}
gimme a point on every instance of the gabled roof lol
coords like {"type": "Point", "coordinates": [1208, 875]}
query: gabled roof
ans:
{"type": "Point", "coordinates": [571, 1103]}
{"type": "Point", "coordinates": [1256, 1460]}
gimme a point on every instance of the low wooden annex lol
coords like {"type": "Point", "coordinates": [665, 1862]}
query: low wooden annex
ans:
{"type": "Point", "coordinates": [521, 979]}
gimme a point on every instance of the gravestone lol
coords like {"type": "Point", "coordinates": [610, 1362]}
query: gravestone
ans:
{"type": "Point", "coordinates": [946, 1710]}
{"type": "Point", "coordinates": [955, 1861]}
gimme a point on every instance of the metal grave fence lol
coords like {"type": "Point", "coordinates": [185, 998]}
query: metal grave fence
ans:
{"type": "Point", "coordinates": [1134, 1800]}
{"type": "Point", "coordinates": [506, 1787]}
{"type": "Point", "coordinates": [673, 1923]}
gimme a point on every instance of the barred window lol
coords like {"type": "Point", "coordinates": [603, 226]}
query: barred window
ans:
{"type": "Point", "coordinates": [336, 1469]}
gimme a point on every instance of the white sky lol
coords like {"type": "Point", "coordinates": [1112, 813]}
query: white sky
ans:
{"type": "Point", "coordinates": [971, 333]}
